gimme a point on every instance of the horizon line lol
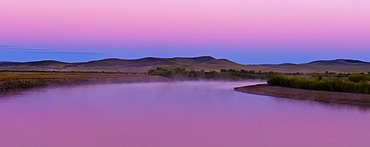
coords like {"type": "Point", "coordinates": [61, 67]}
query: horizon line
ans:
{"type": "Point", "coordinates": [184, 57]}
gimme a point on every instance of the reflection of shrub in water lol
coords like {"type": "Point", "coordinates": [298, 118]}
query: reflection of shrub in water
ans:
{"type": "Point", "coordinates": [14, 83]}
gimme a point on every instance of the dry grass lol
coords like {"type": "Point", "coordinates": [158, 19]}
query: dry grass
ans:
{"type": "Point", "coordinates": [59, 75]}
{"type": "Point", "coordinates": [23, 80]}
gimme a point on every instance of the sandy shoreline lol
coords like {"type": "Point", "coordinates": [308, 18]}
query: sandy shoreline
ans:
{"type": "Point", "coordinates": [303, 94]}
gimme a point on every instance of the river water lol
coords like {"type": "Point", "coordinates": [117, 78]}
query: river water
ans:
{"type": "Point", "coordinates": [174, 114]}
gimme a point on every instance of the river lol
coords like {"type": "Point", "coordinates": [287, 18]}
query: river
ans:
{"type": "Point", "coordinates": [174, 114]}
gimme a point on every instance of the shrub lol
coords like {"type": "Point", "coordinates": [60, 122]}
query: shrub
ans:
{"type": "Point", "coordinates": [356, 77]}
{"type": "Point", "coordinates": [333, 85]}
{"type": "Point", "coordinates": [230, 74]}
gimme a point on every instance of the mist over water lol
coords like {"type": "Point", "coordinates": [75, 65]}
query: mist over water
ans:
{"type": "Point", "coordinates": [174, 114]}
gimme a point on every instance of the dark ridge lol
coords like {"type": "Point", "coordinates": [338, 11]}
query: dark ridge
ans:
{"type": "Point", "coordinates": [267, 64]}
{"type": "Point", "coordinates": [104, 62]}
{"type": "Point", "coordinates": [110, 59]}
{"type": "Point", "coordinates": [352, 61]}
{"type": "Point", "coordinates": [44, 63]}
{"type": "Point", "coordinates": [10, 64]}
{"type": "Point", "coordinates": [145, 61]}
{"type": "Point", "coordinates": [224, 60]}
{"type": "Point", "coordinates": [337, 61]}
{"type": "Point", "coordinates": [150, 59]}
{"type": "Point", "coordinates": [277, 64]}
{"type": "Point", "coordinates": [203, 59]}
{"type": "Point", "coordinates": [287, 64]}
{"type": "Point", "coordinates": [156, 58]}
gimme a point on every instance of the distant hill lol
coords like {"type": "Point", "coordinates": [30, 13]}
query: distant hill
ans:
{"type": "Point", "coordinates": [337, 62]}
{"type": "Point", "coordinates": [206, 63]}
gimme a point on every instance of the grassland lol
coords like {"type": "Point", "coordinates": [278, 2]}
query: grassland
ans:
{"type": "Point", "coordinates": [23, 80]}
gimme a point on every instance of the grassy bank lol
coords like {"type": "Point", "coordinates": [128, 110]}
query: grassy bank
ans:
{"type": "Point", "coordinates": [303, 94]}
{"type": "Point", "coordinates": [23, 80]}
{"type": "Point", "coordinates": [232, 74]}
{"type": "Point", "coordinates": [356, 83]}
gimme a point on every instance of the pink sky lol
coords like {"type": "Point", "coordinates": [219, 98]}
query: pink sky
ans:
{"type": "Point", "coordinates": [122, 26]}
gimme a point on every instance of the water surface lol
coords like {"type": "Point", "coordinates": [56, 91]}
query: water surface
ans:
{"type": "Point", "coordinates": [174, 114]}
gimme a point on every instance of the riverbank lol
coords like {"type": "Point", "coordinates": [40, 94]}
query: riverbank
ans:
{"type": "Point", "coordinates": [303, 94]}
{"type": "Point", "coordinates": [10, 81]}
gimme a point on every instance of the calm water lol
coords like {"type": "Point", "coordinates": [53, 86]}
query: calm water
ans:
{"type": "Point", "coordinates": [174, 114]}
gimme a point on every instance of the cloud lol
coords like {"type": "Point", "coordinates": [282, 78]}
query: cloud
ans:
{"type": "Point", "coordinates": [51, 52]}
{"type": "Point", "coordinates": [14, 48]}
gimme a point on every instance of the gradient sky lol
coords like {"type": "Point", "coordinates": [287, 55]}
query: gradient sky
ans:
{"type": "Point", "coordinates": [245, 31]}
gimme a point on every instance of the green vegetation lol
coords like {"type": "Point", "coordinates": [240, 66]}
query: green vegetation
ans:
{"type": "Point", "coordinates": [358, 77]}
{"type": "Point", "coordinates": [357, 83]}
{"type": "Point", "coordinates": [183, 74]}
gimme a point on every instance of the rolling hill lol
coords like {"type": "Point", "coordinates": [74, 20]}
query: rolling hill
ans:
{"type": "Point", "coordinates": [206, 63]}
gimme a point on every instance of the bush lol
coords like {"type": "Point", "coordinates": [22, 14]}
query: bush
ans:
{"type": "Point", "coordinates": [230, 74]}
{"type": "Point", "coordinates": [356, 77]}
{"type": "Point", "coordinates": [333, 85]}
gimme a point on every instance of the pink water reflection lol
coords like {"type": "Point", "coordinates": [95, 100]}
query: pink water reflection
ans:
{"type": "Point", "coordinates": [174, 114]}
